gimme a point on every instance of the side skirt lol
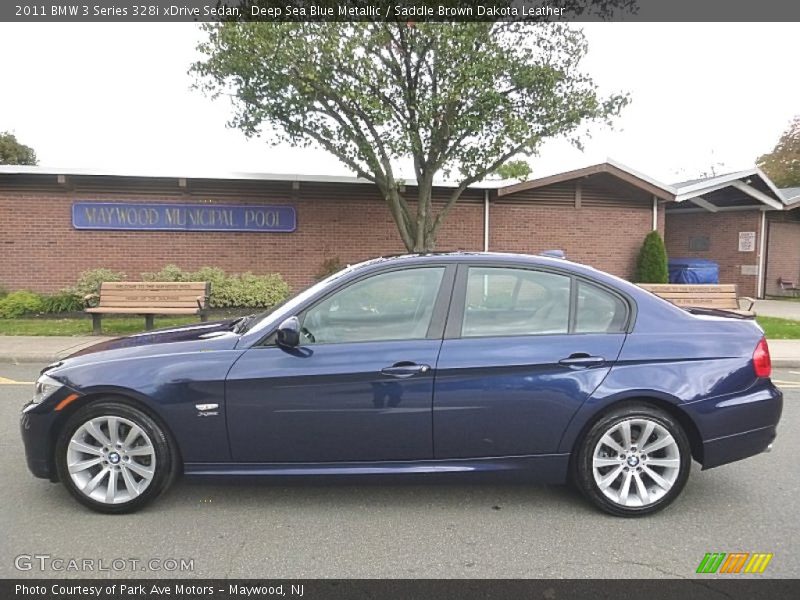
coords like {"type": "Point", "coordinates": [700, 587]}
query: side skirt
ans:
{"type": "Point", "coordinates": [541, 468]}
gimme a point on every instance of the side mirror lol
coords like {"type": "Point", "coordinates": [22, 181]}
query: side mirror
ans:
{"type": "Point", "coordinates": [289, 333]}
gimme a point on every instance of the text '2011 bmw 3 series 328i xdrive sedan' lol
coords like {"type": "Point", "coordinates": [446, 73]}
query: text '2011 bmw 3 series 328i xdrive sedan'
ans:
{"type": "Point", "coordinates": [422, 364]}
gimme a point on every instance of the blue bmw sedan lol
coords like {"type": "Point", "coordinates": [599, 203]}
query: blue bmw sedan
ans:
{"type": "Point", "coordinates": [420, 364]}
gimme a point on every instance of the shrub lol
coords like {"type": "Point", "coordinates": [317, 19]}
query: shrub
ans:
{"type": "Point", "coordinates": [250, 290]}
{"type": "Point", "coordinates": [3, 292]}
{"type": "Point", "coordinates": [229, 291]}
{"type": "Point", "coordinates": [20, 303]}
{"type": "Point", "coordinates": [63, 301]}
{"type": "Point", "coordinates": [168, 273]}
{"type": "Point", "coordinates": [89, 282]}
{"type": "Point", "coordinates": [329, 267]}
{"type": "Point", "coordinates": [652, 264]}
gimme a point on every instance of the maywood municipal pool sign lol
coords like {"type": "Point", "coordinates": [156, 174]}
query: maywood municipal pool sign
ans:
{"type": "Point", "coordinates": [183, 217]}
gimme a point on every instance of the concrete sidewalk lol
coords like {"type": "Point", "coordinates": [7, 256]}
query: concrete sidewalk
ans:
{"type": "Point", "coordinates": [783, 309]}
{"type": "Point", "coordinates": [43, 348]}
{"type": "Point", "coordinates": [46, 349]}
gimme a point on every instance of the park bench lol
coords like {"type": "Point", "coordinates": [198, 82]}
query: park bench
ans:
{"type": "Point", "coordinates": [788, 285]}
{"type": "Point", "coordinates": [715, 296]}
{"type": "Point", "coordinates": [149, 299]}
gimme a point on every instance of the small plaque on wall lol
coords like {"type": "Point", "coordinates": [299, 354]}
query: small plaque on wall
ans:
{"type": "Point", "coordinates": [749, 269]}
{"type": "Point", "coordinates": [699, 243]}
{"type": "Point", "coordinates": [747, 241]}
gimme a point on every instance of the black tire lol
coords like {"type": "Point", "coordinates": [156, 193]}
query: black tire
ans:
{"type": "Point", "coordinates": [166, 462]}
{"type": "Point", "coordinates": [583, 472]}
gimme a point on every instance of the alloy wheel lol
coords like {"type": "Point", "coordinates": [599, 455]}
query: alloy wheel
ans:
{"type": "Point", "coordinates": [636, 462]}
{"type": "Point", "coordinates": [110, 459]}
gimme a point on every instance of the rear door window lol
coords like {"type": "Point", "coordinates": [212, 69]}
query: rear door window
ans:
{"type": "Point", "coordinates": [508, 301]}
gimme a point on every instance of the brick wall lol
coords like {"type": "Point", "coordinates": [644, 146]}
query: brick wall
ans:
{"type": "Point", "coordinates": [722, 229]}
{"type": "Point", "coordinates": [41, 250]}
{"type": "Point", "coordinates": [605, 238]}
{"type": "Point", "coordinates": [783, 253]}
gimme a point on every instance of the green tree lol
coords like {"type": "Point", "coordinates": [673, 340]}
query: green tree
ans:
{"type": "Point", "coordinates": [782, 165]}
{"type": "Point", "coordinates": [514, 169]}
{"type": "Point", "coordinates": [12, 152]}
{"type": "Point", "coordinates": [652, 264]}
{"type": "Point", "coordinates": [459, 100]}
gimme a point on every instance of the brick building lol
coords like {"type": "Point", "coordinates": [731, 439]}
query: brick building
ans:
{"type": "Point", "coordinates": [741, 221]}
{"type": "Point", "coordinates": [54, 224]}
{"type": "Point", "coordinates": [44, 246]}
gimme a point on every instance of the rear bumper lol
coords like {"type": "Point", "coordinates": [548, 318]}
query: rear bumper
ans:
{"type": "Point", "coordinates": [738, 446]}
{"type": "Point", "coordinates": [736, 427]}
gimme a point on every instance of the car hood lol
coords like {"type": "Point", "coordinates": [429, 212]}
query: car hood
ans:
{"type": "Point", "coordinates": [188, 338]}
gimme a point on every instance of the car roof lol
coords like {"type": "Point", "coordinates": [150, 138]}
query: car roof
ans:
{"type": "Point", "coordinates": [497, 258]}
{"type": "Point", "coordinates": [469, 256]}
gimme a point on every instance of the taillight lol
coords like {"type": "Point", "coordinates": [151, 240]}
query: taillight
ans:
{"type": "Point", "coordinates": [762, 364]}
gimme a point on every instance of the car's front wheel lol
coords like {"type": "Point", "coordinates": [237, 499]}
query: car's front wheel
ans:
{"type": "Point", "coordinates": [113, 457]}
{"type": "Point", "coordinates": [634, 461]}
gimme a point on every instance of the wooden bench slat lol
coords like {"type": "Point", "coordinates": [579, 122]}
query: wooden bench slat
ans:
{"type": "Point", "coordinates": [706, 302]}
{"type": "Point", "coordinates": [147, 298]}
{"type": "Point", "coordinates": [143, 310]}
{"type": "Point", "coordinates": [192, 305]}
{"type": "Point", "coordinates": [702, 289]}
{"type": "Point", "coordinates": [117, 285]}
{"type": "Point", "coordinates": [696, 295]}
{"type": "Point", "coordinates": [167, 291]}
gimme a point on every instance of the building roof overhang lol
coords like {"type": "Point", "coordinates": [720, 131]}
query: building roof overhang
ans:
{"type": "Point", "coordinates": [50, 172]}
{"type": "Point", "coordinates": [610, 167]}
{"type": "Point", "coordinates": [742, 190]}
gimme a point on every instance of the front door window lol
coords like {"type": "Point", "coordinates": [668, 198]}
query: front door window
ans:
{"type": "Point", "coordinates": [397, 305]}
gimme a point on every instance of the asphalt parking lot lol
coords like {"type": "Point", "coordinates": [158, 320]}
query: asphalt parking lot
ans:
{"type": "Point", "coordinates": [401, 529]}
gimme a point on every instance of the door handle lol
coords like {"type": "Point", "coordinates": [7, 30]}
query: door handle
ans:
{"type": "Point", "coordinates": [582, 359]}
{"type": "Point", "coordinates": [404, 369]}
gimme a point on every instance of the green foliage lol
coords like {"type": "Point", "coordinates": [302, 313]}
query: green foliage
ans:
{"type": "Point", "coordinates": [63, 301]}
{"type": "Point", "coordinates": [247, 289]}
{"type": "Point", "coordinates": [459, 99]}
{"type": "Point", "coordinates": [329, 266]}
{"type": "Point", "coordinates": [782, 165]}
{"type": "Point", "coordinates": [89, 282]}
{"type": "Point", "coordinates": [12, 152]}
{"type": "Point", "coordinates": [3, 292]}
{"type": "Point", "coordinates": [21, 302]}
{"type": "Point", "coordinates": [514, 169]}
{"type": "Point", "coordinates": [242, 290]}
{"type": "Point", "coordinates": [652, 264]}
{"type": "Point", "coordinates": [167, 273]}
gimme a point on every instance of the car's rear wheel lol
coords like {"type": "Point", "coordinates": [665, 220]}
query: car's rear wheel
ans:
{"type": "Point", "coordinates": [113, 457]}
{"type": "Point", "coordinates": [634, 461]}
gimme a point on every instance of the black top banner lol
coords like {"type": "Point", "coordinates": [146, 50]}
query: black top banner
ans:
{"type": "Point", "coordinates": [411, 11]}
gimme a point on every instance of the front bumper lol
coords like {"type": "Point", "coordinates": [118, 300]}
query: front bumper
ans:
{"type": "Point", "coordinates": [737, 427]}
{"type": "Point", "coordinates": [39, 424]}
{"type": "Point", "coordinates": [36, 430]}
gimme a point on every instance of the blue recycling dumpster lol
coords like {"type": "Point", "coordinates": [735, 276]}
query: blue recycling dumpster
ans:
{"type": "Point", "coordinates": [693, 270]}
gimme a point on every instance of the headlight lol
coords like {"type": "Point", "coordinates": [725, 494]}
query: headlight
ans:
{"type": "Point", "coordinates": [45, 386]}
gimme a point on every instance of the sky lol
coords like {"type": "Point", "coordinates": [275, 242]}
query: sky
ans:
{"type": "Point", "coordinates": [706, 98]}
